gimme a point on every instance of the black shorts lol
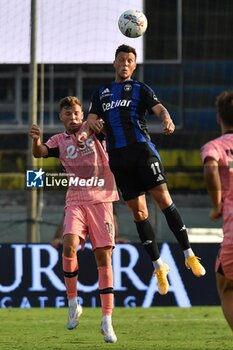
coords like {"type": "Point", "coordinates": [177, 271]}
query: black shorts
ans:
{"type": "Point", "coordinates": [137, 168]}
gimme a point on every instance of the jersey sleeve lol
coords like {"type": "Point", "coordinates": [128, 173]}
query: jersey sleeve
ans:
{"type": "Point", "coordinates": [209, 150]}
{"type": "Point", "coordinates": [52, 146]}
{"type": "Point", "coordinates": [95, 106]}
{"type": "Point", "coordinates": [149, 97]}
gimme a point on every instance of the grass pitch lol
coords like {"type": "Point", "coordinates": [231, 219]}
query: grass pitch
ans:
{"type": "Point", "coordinates": [157, 328]}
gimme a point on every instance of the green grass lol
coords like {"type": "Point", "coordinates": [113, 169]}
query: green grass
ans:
{"type": "Point", "coordinates": [157, 328]}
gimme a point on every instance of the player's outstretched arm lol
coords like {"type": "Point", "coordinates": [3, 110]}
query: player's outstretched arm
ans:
{"type": "Point", "coordinates": [38, 150]}
{"type": "Point", "coordinates": [162, 113]}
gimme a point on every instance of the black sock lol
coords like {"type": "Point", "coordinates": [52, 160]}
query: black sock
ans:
{"type": "Point", "coordinates": [147, 238]}
{"type": "Point", "coordinates": [177, 226]}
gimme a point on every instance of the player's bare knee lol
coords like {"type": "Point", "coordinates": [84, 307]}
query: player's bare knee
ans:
{"type": "Point", "coordinates": [103, 256]}
{"type": "Point", "coordinates": [69, 251]}
{"type": "Point", "coordinates": [141, 215]}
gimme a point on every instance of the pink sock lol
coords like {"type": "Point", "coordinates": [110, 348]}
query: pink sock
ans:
{"type": "Point", "coordinates": [70, 270]}
{"type": "Point", "coordinates": [106, 289]}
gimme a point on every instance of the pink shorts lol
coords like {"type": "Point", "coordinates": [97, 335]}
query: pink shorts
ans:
{"type": "Point", "coordinates": [95, 220]}
{"type": "Point", "coordinates": [224, 261]}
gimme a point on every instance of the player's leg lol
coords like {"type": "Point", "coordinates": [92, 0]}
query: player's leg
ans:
{"type": "Point", "coordinates": [102, 237]}
{"type": "Point", "coordinates": [74, 232]}
{"type": "Point", "coordinates": [126, 169]}
{"type": "Point", "coordinates": [138, 207]}
{"type": "Point", "coordinates": [70, 271]}
{"type": "Point", "coordinates": [103, 258]}
{"type": "Point", "coordinates": [161, 195]}
{"type": "Point", "coordinates": [225, 290]}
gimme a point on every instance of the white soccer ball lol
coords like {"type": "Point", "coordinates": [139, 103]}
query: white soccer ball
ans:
{"type": "Point", "coordinates": [132, 23]}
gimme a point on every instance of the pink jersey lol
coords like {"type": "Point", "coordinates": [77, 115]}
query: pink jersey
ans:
{"type": "Point", "coordinates": [90, 178]}
{"type": "Point", "coordinates": [221, 149]}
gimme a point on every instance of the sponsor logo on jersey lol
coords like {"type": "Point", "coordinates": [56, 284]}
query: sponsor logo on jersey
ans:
{"type": "Point", "coordinates": [73, 152]}
{"type": "Point", "coordinates": [115, 104]}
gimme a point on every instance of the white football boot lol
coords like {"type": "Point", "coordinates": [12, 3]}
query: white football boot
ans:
{"type": "Point", "coordinates": [74, 313]}
{"type": "Point", "coordinates": [107, 329]}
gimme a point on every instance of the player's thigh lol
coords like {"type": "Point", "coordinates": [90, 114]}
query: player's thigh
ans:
{"type": "Point", "coordinates": [150, 168]}
{"type": "Point", "coordinates": [224, 261]}
{"type": "Point", "coordinates": [101, 225]}
{"type": "Point", "coordinates": [122, 163]}
{"type": "Point", "coordinates": [127, 181]}
{"type": "Point", "coordinates": [138, 207]}
{"type": "Point", "coordinates": [161, 195]}
{"type": "Point", "coordinates": [75, 221]}
{"type": "Point", "coordinates": [223, 284]}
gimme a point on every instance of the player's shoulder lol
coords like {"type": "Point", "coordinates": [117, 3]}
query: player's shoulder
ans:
{"type": "Point", "coordinates": [214, 145]}
{"type": "Point", "coordinates": [104, 89]}
{"type": "Point", "coordinates": [144, 85]}
{"type": "Point", "coordinates": [215, 142]}
{"type": "Point", "coordinates": [59, 136]}
{"type": "Point", "coordinates": [101, 91]}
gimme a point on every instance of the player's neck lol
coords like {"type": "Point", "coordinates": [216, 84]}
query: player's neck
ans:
{"type": "Point", "coordinates": [72, 132]}
{"type": "Point", "coordinates": [121, 80]}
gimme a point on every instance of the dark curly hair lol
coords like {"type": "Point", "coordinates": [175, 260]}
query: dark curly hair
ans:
{"type": "Point", "coordinates": [224, 103]}
{"type": "Point", "coordinates": [125, 48]}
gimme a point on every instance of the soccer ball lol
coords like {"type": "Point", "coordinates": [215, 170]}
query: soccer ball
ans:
{"type": "Point", "coordinates": [132, 23]}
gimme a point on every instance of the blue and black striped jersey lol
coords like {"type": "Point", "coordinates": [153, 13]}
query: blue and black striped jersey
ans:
{"type": "Point", "coordinates": [123, 107]}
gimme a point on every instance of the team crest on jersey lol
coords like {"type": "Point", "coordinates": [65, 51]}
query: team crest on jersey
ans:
{"type": "Point", "coordinates": [128, 87]}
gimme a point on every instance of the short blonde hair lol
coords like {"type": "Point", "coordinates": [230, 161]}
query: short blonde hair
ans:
{"type": "Point", "coordinates": [68, 102]}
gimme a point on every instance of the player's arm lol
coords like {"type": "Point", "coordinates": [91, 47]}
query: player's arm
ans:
{"type": "Point", "coordinates": [93, 125]}
{"type": "Point", "coordinates": [213, 184]}
{"type": "Point", "coordinates": [38, 149]}
{"type": "Point", "coordinates": [162, 114]}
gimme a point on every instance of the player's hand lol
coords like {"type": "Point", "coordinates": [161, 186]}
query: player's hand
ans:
{"type": "Point", "coordinates": [168, 126]}
{"type": "Point", "coordinates": [96, 125]}
{"type": "Point", "coordinates": [56, 242]}
{"type": "Point", "coordinates": [81, 138]}
{"type": "Point", "coordinates": [215, 213]}
{"type": "Point", "coordinates": [34, 132]}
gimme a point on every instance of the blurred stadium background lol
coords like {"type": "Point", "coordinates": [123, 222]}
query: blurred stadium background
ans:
{"type": "Point", "coordinates": [186, 55]}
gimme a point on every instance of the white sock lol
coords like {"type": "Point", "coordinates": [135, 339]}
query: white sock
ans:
{"type": "Point", "coordinates": [157, 264]}
{"type": "Point", "coordinates": [188, 252]}
{"type": "Point", "coordinates": [72, 302]}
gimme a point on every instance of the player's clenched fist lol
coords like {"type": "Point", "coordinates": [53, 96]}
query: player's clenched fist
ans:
{"type": "Point", "coordinates": [34, 132]}
{"type": "Point", "coordinates": [168, 126]}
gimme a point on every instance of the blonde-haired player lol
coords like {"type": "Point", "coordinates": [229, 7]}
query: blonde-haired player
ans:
{"type": "Point", "coordinates": [88, 208]}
